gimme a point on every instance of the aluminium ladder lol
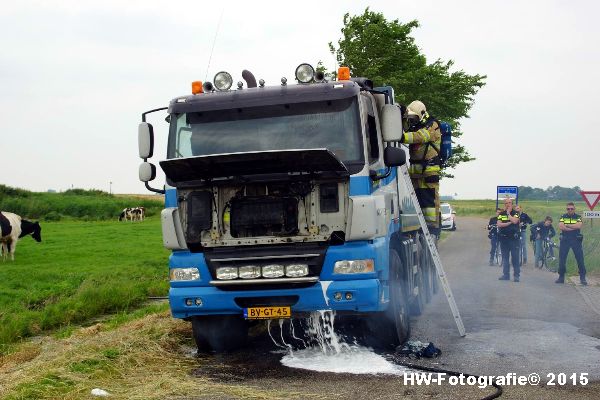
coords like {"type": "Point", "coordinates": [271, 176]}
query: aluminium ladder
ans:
{"type": "Point", "coordinates": [432, 250]}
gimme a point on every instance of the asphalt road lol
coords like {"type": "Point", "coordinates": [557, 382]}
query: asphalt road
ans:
{"type": "Point", "coordinates": [533, 326]}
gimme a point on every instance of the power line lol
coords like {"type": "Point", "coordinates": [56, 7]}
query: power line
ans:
{"type": "Point", "coordinates": [214, 41]}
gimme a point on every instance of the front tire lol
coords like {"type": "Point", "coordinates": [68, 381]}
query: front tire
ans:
{"type": "Point", "coordinates": [390, 328]}
{"type": "Point", "coordinates": [219, 333]}
{"type": "Point", "coordinates": [398, 299]}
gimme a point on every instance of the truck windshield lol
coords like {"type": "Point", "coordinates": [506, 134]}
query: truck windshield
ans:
{"type": "Point", "coordinates": [333, 125]}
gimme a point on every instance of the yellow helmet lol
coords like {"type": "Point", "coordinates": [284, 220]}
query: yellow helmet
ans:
{"type": "Point", "coordinates": [417, 108]}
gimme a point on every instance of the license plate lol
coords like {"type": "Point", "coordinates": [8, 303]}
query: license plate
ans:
{"type": "Point", "coordinates": [267, 312]}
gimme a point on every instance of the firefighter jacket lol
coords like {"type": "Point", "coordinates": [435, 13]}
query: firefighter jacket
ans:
{"type": "Point", "coordinates": [424, 142]}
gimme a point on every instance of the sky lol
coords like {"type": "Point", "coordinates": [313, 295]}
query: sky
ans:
{"type": "Point", "coordinates": [76, 76]}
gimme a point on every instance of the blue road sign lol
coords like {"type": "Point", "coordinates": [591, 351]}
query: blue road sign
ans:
{"type": "Point", "coordinates": [502, 192]}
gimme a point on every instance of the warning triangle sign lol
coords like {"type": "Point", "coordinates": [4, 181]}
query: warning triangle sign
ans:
{"type": "Point", "coordinates": [591, 198]}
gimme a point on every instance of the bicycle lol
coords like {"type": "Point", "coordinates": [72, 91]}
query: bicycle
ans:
{"type": "Point", "coordinates": [498, 254]}
{"type": "Point", "coordinates": [549, 261]}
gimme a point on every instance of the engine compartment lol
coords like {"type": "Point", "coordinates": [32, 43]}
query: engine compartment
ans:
{"type": "Point", "coordinates": [263, 213]}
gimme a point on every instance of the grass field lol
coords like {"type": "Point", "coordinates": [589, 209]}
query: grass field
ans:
{"type": "Point", "coordinates": [80, 270]}
{"type": "Point", "coordinates": [538, 210]}
{"type": "Point", "coordinates": [74, 204]}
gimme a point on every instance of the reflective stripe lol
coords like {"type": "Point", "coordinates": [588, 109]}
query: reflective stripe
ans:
{"type": "Point", "coordinates": [426, 134]}
{"type": "Point", "coordinates": [418, 169]}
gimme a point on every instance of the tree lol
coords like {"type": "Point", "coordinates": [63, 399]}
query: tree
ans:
{"type": "Point", "coordinates": [385, 52]}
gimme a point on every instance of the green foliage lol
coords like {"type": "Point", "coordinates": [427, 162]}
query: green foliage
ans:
{"type": "Point", "coordinates": [80, 270]}
{"type": "Point", "coordinates": [551, 193]}
{"type": "Point", "coordinates": [86, 205]}
{"type": "Point", "coordinates": [386, 52]}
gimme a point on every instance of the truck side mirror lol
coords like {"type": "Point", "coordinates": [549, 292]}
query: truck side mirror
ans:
{"type": "Point", "coordinates": [394, 156]}
{"type": "Point", "coordinates": [391, 123]}
{"type": "Point", "coordinates": [145, 141]}
{"type": "Point", "coordinates": [147, 172]}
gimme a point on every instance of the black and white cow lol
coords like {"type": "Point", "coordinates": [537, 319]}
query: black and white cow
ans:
{"type": "Point", "coordinates": [125, 214]}
{"type": "Point", "coordinates": [132, 214]}
{"type": "Point", "coordinates": [13, 227]}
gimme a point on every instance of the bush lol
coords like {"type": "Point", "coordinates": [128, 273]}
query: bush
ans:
{"type": "Point", "coordinates": [53, 216]}
{"type": "Point", "coordinates": [80, 204]}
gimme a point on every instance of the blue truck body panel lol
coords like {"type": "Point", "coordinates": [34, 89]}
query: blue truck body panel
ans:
{"type": "Point", "coordinates": [369, 293]}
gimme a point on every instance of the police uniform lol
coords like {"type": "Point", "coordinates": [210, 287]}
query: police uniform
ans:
{"type": "Point", "coordinates": [493, 236]}
{"type": "Point", "coordinates": [424, 140]}
{"type": "Point", "coordinates": [525, 219]}
{"type": "Point", "coordinates": [510, 240]}
{"type": "Point", "coordinates": [570, 240]}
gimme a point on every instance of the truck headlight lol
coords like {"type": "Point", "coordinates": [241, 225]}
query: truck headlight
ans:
{"type": "Point", "coordinates": [296, 270]}
{"type": "Point", "coordinates": [184, 274]}
{"type": "Point", "coordinates": [227, 273]}
{"type": "Point", "coordinates": [250, 272]}
{"type": "Point", "coordinates": [354, 266]}
{"type": "Point", "coordinates": [272, 271]}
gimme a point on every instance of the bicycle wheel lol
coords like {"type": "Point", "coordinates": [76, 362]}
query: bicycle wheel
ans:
{"type": "Point", "coordinates": [551, 261]}
{"type": "Point", "coordinates": [498, 255]}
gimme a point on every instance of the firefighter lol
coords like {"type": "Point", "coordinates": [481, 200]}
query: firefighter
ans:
{"type": "Point", "coordinates": [509, 236]}
{"type": "Point", "coordinates": [570, 238]}
{"type": "Point", "coordinates": [424, 138]}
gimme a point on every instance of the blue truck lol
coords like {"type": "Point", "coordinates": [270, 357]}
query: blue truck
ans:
{"type": "Point", "coordinates": [284, 200]}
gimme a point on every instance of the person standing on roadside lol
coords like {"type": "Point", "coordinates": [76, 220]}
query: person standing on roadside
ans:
{"type": "Point", "coordinates": [493, 235]}
{"type": "Point", "coordinates": [509, 236]}
{"type": "Point", "coordinates": [541, 231]}
{"type": "Point", "coordinates": [570, 238]}
{"type": "Point", "coordinates": [525, 220]}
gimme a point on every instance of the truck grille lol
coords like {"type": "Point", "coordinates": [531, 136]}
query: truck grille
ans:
{"type": "Point", "coordinates": [311, 255]}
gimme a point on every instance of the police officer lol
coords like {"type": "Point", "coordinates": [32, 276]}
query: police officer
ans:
{"type": "Point", "coordinates": [509, 235]}
{"type": "Point", "coordinates": [570, 238]}
{"type": "Point", "coordinates": [493, 235]}
{"type": "Point", "coordinates": [424, 139]}
{"type": "Point", "coordinates": [525, 220]}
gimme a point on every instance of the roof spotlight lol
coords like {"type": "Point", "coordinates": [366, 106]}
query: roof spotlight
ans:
{"type": "Point", "coordinates": [223, 81]}
{"type": "Point", "coordinates": [319, 76]}
{"type": "Point", "coordinates": [305, 73]}
{"type": "Point", "coordinates": [208, 87]}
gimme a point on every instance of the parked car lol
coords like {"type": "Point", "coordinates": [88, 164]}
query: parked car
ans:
{"type": "Point", "coordinates": [448, 217]}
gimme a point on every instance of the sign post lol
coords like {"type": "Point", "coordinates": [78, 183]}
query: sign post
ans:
{"type": "Point", "coordinates": [591, 199]}
{"type": "Point", "coordinates": [503, 192]}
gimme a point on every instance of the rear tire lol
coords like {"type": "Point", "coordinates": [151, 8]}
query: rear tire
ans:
{"type": "Point", "coordinates": [418, 301]}
{"type": "Point", "coordinates": [219, 333]}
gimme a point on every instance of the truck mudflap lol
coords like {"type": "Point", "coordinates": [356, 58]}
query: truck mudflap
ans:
{"type": "Point", "coordinates": [364, 295]}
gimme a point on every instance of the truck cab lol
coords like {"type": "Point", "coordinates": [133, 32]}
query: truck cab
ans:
{"type": "Point", "coordinates": [284, 200]}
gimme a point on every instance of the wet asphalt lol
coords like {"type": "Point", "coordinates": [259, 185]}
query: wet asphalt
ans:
{"type": "Point", "coordinates": [531, 326]}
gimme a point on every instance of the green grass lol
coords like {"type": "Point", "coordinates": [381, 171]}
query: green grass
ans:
{"type": "Point", "coordinates": [80, 270]}
{"type": "Point", "coordinates": [538, 210]}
